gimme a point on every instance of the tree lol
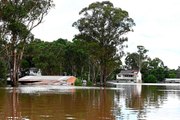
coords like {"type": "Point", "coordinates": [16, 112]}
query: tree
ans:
{"type": "Point", "coordinates": [132, 61]}
{"type": "Point", "coordinates": [156, 68]}
{"type": "Point", "coordinates": [47, 56]}
{"type": "Point", "coordinates": [18, 18]}
{"type": "Point", "coordinates": [3, 73]}
{"type": "Point", "coordinates": [104, 25]}
{"type": "Point", "coordinates": [155, 63]}
{"type": "Point", "coordinates": [142, 55]}
{"type": "Point", "coordinates": [135, 60]}
{"type": "Point", "coordinates": [151, 79]}
{"type": "Point", "coordinates": [171, 74]}
{"type": "Point", "coordinates": [76, 58]}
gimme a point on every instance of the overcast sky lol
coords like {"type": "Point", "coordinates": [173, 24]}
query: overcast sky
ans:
{"type": "Point", "coordinates": [157, 25]}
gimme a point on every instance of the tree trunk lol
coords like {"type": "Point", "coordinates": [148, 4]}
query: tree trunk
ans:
{"type": "Point", "coordinates": [15, 70]}
{"type": "Point", "coordinates": [105, 75]}
{"type": "Point", "coordinates": [102, 76]}
{"type": "Point", "coordinates": [82, 71]}
{"type": "Point", "coordinates": [94, 74]}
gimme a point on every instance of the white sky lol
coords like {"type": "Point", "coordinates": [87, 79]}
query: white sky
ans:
{"type": "Point", "coordinates": [157, 25]}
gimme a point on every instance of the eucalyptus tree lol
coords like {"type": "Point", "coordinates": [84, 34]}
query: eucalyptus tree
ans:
{"type": "Point", "coordinates": [18, 18]}
{"type": "Point", "coordinates": [154, 67]}
{"type": "Point", "coordinates": [157, 68]}
{"type": "Point", "coordinates": [156, 62]}
{"type": "Point", "coordinates": [104, 25]}
{"type": "Point", "coordinates": [132, 61]}
{"type": "Point", "coordinates": [142, 55]}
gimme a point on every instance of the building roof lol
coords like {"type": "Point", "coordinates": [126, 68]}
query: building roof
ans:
{"type": "Point", "coordinates": [48, 80]}
{"type": "Point", "coordinates": [37, 78]}
{"type": "Point", "coordinates": [130, 72]}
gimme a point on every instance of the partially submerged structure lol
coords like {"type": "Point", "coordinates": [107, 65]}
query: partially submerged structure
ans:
{"type": "Point", "coordinates": [48, 80]}
{"type": "Point", "coordinates": [129, 76]}
{"type": "Point", "coordinates": [172, 80]}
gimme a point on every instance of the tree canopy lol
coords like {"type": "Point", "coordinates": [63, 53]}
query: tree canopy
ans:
{"type": "Point", "coordinates": [104, 25]}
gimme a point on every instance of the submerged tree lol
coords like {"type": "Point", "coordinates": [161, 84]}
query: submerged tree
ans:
{"type": "Point", "coordinates": [18, 18]}
{"type": "Point", "coordinates": [104, 25]}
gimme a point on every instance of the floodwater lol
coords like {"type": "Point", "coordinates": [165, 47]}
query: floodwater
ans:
{"type": "Point", "coordinates": [125, 102]}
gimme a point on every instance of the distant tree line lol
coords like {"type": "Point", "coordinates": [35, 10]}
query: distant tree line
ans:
{"type": "Point", "coordinates": [153, 70]}
{"type": "Point", "coordinates": [64, 57]}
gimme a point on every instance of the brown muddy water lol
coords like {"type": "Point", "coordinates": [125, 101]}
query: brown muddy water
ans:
{"type": "Point", "coordinates": [126, 102]}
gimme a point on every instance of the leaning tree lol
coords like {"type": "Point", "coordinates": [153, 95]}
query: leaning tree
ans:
{"type": "Point", "coordinates": [17, 19]}
{"type": "Point", "coordinates": [104, 25]}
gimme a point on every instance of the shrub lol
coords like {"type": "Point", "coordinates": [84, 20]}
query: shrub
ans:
{"type": "Point", "coordinates": [89, 83]}
{"type": "Point", "coordinates": [78, 82]}
{"type": "Point", "coordinates": [3, 73]}
{"type": "Point", "coordinates": [151, 79]}
{"type": "Point", "coordinates": [3, 82]}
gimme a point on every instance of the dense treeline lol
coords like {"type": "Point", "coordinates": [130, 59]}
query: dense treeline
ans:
{"type": "Point", "coordinates": [62, 57]}
{"type": "Point", "coordinates": [153, 70]}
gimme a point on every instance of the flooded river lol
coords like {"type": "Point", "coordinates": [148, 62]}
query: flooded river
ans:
{"type": "Point", "coordinates": [126, 102]}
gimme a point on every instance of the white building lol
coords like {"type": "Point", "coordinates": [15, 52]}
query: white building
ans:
{"type": "Point", "coordinates": [172, 80]}
{"type": "Point", "coordinates": [129, 76]}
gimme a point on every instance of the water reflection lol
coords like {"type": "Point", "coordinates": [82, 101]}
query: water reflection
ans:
{"type": "Point", "coordinates": [82, 104]}
{"type": "Point", "coordinates": [127, 102]}
{"type": "Point", "coordinates": [11, 106]}
{"type": "Point", "coordinates": [135, 101]}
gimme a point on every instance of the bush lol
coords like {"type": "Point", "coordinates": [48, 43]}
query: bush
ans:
{"type": "Point", "coordinates": [89, 83]}
{"type": "Point", "coordinates": [3, 73]}
{"type": "Point", "coordinates": [78, 82]}
{"type": "Point", "coordinates": [3, 83]}
{"type": "Point", "coordinates": [151, 79]}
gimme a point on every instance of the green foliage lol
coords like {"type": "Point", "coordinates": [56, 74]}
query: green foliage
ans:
{"type": "Point", "coordinates": [3, 83]}
{"type": "Point", "coordinates": [76, 58]}
{"type": "Point", "coordinates": [25, 64]}
{"type": "Point", "coordinates": [172, 75]}
{"type": "Point", "coordinates": [3, 73]}
{"type": "Point", "coordinates": [132, 61]}
{"type": "Point", "coordinates": [78, 82]}
{"type": "Point", "coordinates": [155, 67]}
{"type": "Point", "coordinates": [150, 79]}
{"type": "Point", "coordinates": [142, 55]}
{"type": "Point", "coordinates": [89, 83]}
